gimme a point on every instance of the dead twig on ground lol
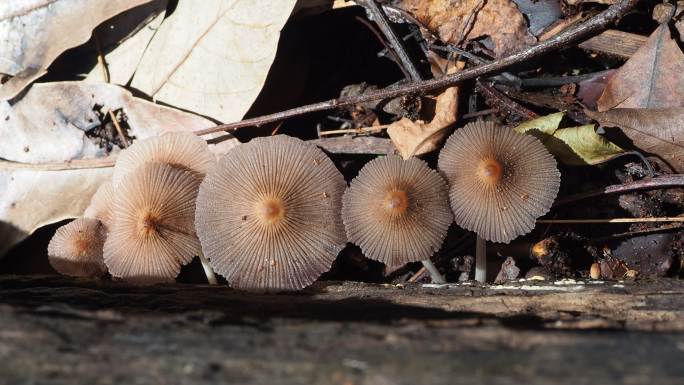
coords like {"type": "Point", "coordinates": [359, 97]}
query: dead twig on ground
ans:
{"type": "Point", "coordinates": [591, 27]}
{"type": "Point", "coordinates": [663, 181]}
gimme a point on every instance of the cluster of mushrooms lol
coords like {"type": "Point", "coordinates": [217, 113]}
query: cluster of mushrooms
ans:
{"type": "Point", "coordinates": [274, 213]}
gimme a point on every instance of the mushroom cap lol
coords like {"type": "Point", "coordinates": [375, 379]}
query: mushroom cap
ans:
{"type": "Point", "coordinates": [100, 206]}
{"type": "Point", "coordinates": [500, 181]}
{"type": "Point", "coordinates": [397, 210]}
{"type": "Point", "coordinates": [76, 248]}
{"type": "Point", "coordinates": [182, 150]}
{"type": "Point", "coordinates": [268, 217]}
{"type": "Point", "coordinates": [153, 231]}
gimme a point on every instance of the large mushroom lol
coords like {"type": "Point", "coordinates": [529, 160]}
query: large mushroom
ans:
{"type": "Point", "coordinates": [152, 232]}
{"type": "Point", "coordinates": [268, 217]}
{"type": "Point", "coordinates": [500, 181]}
{"type": "Point", "coordinates": [76, 248]}
{"type": "Point", "coordinates": [397, 210]}
{"type": "Point", "coordinates": [182, 150]}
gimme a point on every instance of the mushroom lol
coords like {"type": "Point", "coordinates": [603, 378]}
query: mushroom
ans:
{"type": "Point", "coordinates": [152, 232]}
{"type": "Point", "coordinates": [182, 150]}
{"type": "Point", "coordinates": [100, 206]}
{"type": "Point", "coordinates": [76, 248]}
{"type": "Point", "coordinates": [500, 181]}
{"type": "Point", "coordinates": [268, 217]}
{"type": "Point", "coordinates": [397, 210]}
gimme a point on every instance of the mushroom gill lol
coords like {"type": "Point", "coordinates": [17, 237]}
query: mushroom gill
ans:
{"type": "Point", "coordinates": [500, 181]}
{"type": "Point", "coordinates": [153, 230]}
{"type": "Point", "coordinates": [182, 150]}
{"type": "Point", "coordinates": [268, 217]}
{"type": "Point", "coordinates": [397, 210]}
{"type": "Point", "coordinates": [100, 206]}
{"type": "Point", "coordinates": [76, 248]}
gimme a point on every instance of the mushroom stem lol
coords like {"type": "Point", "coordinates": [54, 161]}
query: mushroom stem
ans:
{"type": "Point", "coordinates": [480, 260]}
{"type": "Point", "coordinates": [207, 269]}
{"type": "Point", "coordinates": [435, 275]}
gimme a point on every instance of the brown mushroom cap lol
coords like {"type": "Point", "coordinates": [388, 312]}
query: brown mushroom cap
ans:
{"type": "Point", "coordinates": [397, 210]}
{"type": "Point", "coordinates": [153, 230]}
{"type": "Point", "coordinates": [100, 206]}
{"type": "Point", "coordinates": [500, 181]}
{"type": "Point", "coordinates": [76, 248]}
{"type": "Point", "coordinates": [182, 150]}
{"type": "Point", "coordinates": [268, 216]}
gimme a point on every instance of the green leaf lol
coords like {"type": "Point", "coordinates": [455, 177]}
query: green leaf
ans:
{"type": "Point", "coordinates": [573, 146]}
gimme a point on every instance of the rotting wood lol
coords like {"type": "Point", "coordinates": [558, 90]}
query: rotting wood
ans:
{"type": "Point", "coordinates": [616, 43]}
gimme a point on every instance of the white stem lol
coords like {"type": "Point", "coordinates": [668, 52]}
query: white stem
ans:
{"type": "Point", "coordinates": [435, 275]}
{"type": "Point", "coordinates": [480, 260]}
{"type": "Point", "coordinates": [207, 269]}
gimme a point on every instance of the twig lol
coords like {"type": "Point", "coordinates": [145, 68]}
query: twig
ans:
{"type": "Point", "coordinates": [468, 25]}
{"type": "Point", "coordinates": [611, 220]}
{"type": "Point", "coordinates": [628, 234]}
{"type": "Point", "coordinates": [663, 181]}
{"type": "Point", "coordinates": [361, 130]}
{"type": "Point", "coordinates": [118, 128]}
{"type": "Point", "coordinates": [76, 164]}
{"type": "Point", "coordinates": [488, 111]}
{"type": "Point", "coordinates": [592, 26]}
{"type": "Point", "coordinates": [419, 274]}
{"type": "Point", "coordinates": [499, 99]}
{"type": "Point", "coordinates": [381, 20]}
{"type": "Point", "coordinates": [561, 80]}
{"type": "Point", "coordinates": [387, 49]}
{"type": "Point", "coordinates": [100, 58]}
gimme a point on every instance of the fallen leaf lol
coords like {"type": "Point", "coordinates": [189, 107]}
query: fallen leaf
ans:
{"type": "Point", "coordinates": [652, 78]}
{"type": "Point", "coordinates": [455, 21]}
{"type": "Point", "coordinates": [540, 14]}
{"type": "Point", "coordinates": [657, 131]}
{"type": "Point", "coordinates": [573, 145]}
{"type": "Point", "coordinates": [122, 52]}
{"type": "Point", "coordinates": [508, 272]}
{"type": "Point", "coordinates": [35, 32]}
{"type": "Point", "coordinates": [45, 135]}
{"type": "Point", "coordinates": [590, 90]}
{"type": "Point", "coordinates": [213, 59]}
{"type": "Point", "coordinates": [55, 122]}
{"type": "Point", "coordinates": [35, 198]}
{"type": "Point", "coordinates": [419, 137]}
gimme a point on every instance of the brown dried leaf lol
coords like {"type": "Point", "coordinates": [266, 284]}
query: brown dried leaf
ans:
{"type": "Point", "coordinates": [37, 31]}
{"type": "Point", "coordinates": [416, 138]}
{"type": "Point", "coordinates": [658, 131]}
{"type": "Point", "coordinates": [213, 59]}
{"type": "Point", "coordinates": [449, 19]}
{"type": "Point", "coordinates": [652, 78]}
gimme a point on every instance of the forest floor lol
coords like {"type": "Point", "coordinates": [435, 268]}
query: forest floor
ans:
{"type": "Point", "coordinates": [64, 331]}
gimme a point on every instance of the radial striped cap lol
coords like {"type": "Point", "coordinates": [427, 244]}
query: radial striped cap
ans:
{"type": "Point", "coordinates": [500, 181]}
{"type": "Point", "coordinates": [100, 206]}
{"type": "Point", "coordinates": [153, 230]}
{"type": "Point", "coordinates": [268, 216]}
{"type": "Point", "coordinates": [397, 210]}
{"type": "Point", "coordinates": [182, 150]}
{"type": "Point", "coordinates": [76, 248]}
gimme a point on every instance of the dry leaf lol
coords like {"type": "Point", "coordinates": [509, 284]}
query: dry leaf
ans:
{"type": "Point", "coordinates": [213, 59]}
{"type": "Point", "coordinates": [37, 31]}
{"type": "Point", "coordinates": [449, 19]}
{"type": "Point", "coordinates": [658, 131]}
{"type": "Point", "coordinates": [574, 145]}
{"type": "Point", "coordinates": [652, 78]}
{"type": "Point", "coordinates": [419, 137]}
{"type": "Point", "coordinates": [52, 121]}
{"type": "Point", "coordinates": [49, 124]}
{"type": "Point", "coordinates": [31, 199]}
{"type": "Point", "coordinates": [122, 52]}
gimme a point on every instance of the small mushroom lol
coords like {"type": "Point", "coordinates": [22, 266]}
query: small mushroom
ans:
{"type": "Point", "coordinates": [100, 206]}
{"type": "Point", "coordinates": [397, 210]}
{"type": "Point", "coordinates": [76, 248]}
{"type": "Point", "coordinates": [268, 217]}
{"type": "Point", "coordinates": [152, 232]}
{"type": "Point", "coordinates": [500, 181]}
{"type": "Point", "coordinates": [182, 150]}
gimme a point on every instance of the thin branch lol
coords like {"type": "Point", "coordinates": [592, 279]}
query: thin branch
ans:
{"type": "Point", "coordinates": [381, 20]}
{"type": "Point", "coordinates": [118, 128]}
{"type": "Point", "coordinates": [497, 98]}
{"type": "Point", "coordinates": [591, 27]}
{"type": "Point", "coordinates": [611, 220]}
{"type": "Point", "coordinates": [388, 50]}
{"type": "Point", "coordinates": [76, 164]}
{"type": "Point", "coordinates": [663, 181]}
